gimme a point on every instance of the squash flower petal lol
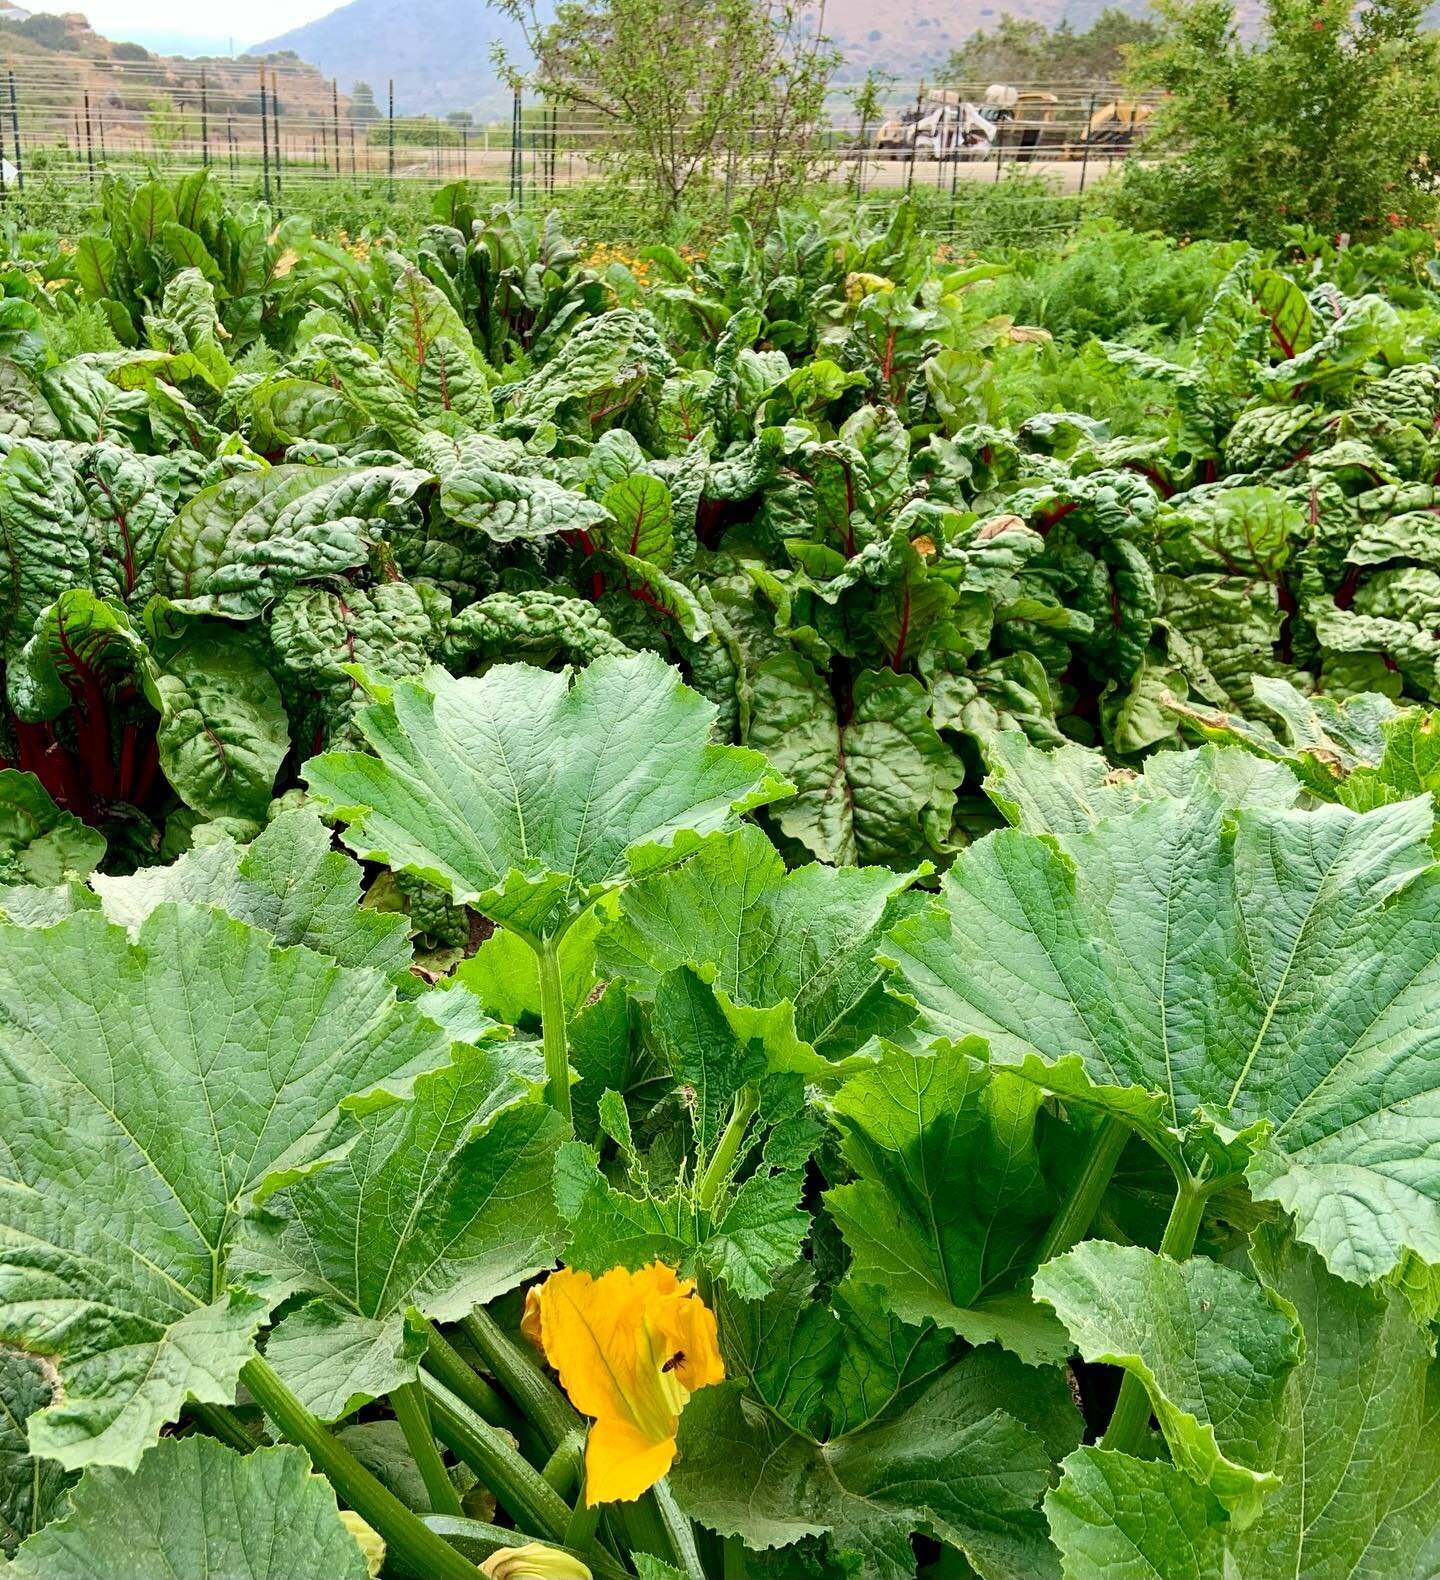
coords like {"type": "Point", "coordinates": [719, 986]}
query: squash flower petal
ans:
{"type": "Point", "coordinates": [630, 1349]}
{"type": "Point", "coordinates": [533, 1561]}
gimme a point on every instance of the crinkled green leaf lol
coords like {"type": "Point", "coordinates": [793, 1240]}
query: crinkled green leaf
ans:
{"type": "Point", "coordinates": [911, 1128]}
{"type": "Point", "coordinates": [31, 1490]}
{"type": "Point", "coordinates": [1213, 1348]}
{"type": "Point", "coordinates": [152, 1086]}
{"type": "Point", "coordinates": [238, 545]}
{"type": "Point", "coordinates": [790, 956]}
{"type": "Point", "coordinates": [196, 1510]}
{"type": "Point", "coordinates": [1257, 976]}
{"type": "Point", "coordinates": [878, 787]}
{"type": "Point", "coordinates": [527, 794]}
{"type": "Point", "coordinates": [440, 1202]}
{"type": "Point", "coordinates": [40, 844]}
{"type": "Point", "coordinates": [223, 730]}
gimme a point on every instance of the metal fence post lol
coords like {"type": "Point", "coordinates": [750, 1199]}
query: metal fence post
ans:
{"type": "Point", "coordinates": [275, 130]}
{"type": "Point", "coordinates": [89, 142]}
{"type": "Point", "coordinates": [335, 111]}
{"type": "Point", "coordinates": [15, 134]}
{"type": "Point", "coordinates": [392, 138]}
{"type": "Point", "coordinates": [265, 133]}
{"type": "Point", "coordinates": [1085, 146]}
{"type": "Point", "coordinates": [204, 120]}
{"type": "Point", "coordinates": [915, 141]}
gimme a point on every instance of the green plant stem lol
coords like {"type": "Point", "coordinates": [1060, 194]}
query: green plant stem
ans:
{"type": "Point", "coordinates": [519, 1488]}
{"type": "Point", "coordinates": [734, 1559]}
{"type": "Point", "coordinates": [1072, 1223]}
{"type": "Point", "coordinates": [565, 1468]}
{"type": "Point", "coordinates": [412, 1549]}
{"type": "Point", "coordinates": [1131, 1417]}
{"type": "Point", "coordinates": [222, 1422]}
{"type": "Point", "coordinates": [450, 1367]}
{"type": "Point", "coordinates": [535, 1396]}
{"type": "Point", "coordinates": [552, 1027]}
{"type": "Point", "coordinates": [408, 1403]}
{"type": "Point", "coordinates": [742, 1111]}
{"type": "Point", "coordinates": [584, 1522]}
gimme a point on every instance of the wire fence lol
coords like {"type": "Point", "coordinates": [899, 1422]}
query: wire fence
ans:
{"type": "Point", "coordinates": [280, 130]}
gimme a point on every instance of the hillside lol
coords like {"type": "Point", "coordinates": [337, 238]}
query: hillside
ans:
{"type": "Point", "coordinates": [59, 60]}
{"type": "Point", "coordinates": [438, 52]}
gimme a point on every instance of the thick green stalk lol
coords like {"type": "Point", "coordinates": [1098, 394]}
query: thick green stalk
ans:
{"type": "Point", "coordinates": [1072, 1223]}
{"type": "Point", "coordinates": [565, 1468]}
{"type": "Point", "coordinates": [552, 1028]}
{"type": "Point", "coordinates": [536, 1397]}
{"type": "Point", "coordinates": [735, 1565]}
{"type": "Point", "coordinates": [584, 1522]}
{"type": "Point", "coordinates": [1130, 1420]}
{"type": "Point", "coordinates": [222, 1422]}
{"type": "Point", "coordinates": [722, 1160]}
{"type": "Point", "coordinates": [519, 1488]}
{"type": "Point", "coordinates": [408, 1403]}
{"type": "Point", "coordinates": [449, 1366]}
{"type": "Point", "coordinates": [412, 1549]}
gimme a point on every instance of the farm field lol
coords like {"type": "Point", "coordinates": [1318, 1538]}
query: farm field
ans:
{"type": "Point", "coordinates": [761, 909]}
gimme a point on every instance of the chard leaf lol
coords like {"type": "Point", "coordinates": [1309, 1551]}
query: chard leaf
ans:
{"type": "Point", "coordinates": [439, 1203]}
{"type": "Point", "coordinates": [152, 1087]}
{"type": "Point", "coordinates": [879, 787]}
{"type": "Point", "coordinates": [911, 1128]}
{"type": "Point", "coordinates": [508, 506]}
{"type": "Point", "coordinates": [528, 794]}
{"type": "Point", "coordinates": [1247, 987]}
{"type": "Point", "coordinates": [223, 730]}
{"type": "Point", "coordinates": [643, 527]}
{"type": "Point", "coordinates": [790, 956]}
{"type": "Point", "coordinates": [236, 546]}
{"type": "Point", "coordinates": [45, 540]}
{"type": "Point", "coordinates": [195, 1509]}
{"type": "Point", "coordinates": [39, 844]}
{"type": "Point", "coordinates": [318, 634]}
{"type": "Point", "coordinates": [1213, 1348]}
{"type": "Point", "coordinates": [31, 1490]}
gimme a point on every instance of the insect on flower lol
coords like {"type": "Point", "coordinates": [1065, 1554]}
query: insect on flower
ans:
{"type": "Point", "coordinates": [630, 1349]}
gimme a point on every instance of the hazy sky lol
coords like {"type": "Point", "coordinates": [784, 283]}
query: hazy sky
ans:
{"type": "Point", "coordinates": [180, 24]}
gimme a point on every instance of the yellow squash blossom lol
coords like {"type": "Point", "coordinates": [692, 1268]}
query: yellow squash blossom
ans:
{"type": "Point", "coordinates": [630, 1349]}
{"type": "Point", "coordinates": [533, 1561]}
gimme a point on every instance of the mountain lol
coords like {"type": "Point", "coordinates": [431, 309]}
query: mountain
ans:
{"type": "Point", "coordinates": [437, 52]}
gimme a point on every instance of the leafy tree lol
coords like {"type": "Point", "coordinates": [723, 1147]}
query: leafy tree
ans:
{"type": "Point", "coordinates": [128, 51]}
{"type": "Point", "coordinates": [678, 99]}
{"type": "Point", "coordinates": [362, 103]}
{"type": "Point", "coordinates": [1022, 50]}
{"type": "Point", "coordinates": [49, 31]}
{"type": "Point", "coordinates": [1331, 119]}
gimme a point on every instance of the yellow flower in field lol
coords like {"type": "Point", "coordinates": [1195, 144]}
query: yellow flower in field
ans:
{"type": "Point", "coordinates": [630, 1349]}
{"type": "Point", "coordinates": [533, 1561]}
